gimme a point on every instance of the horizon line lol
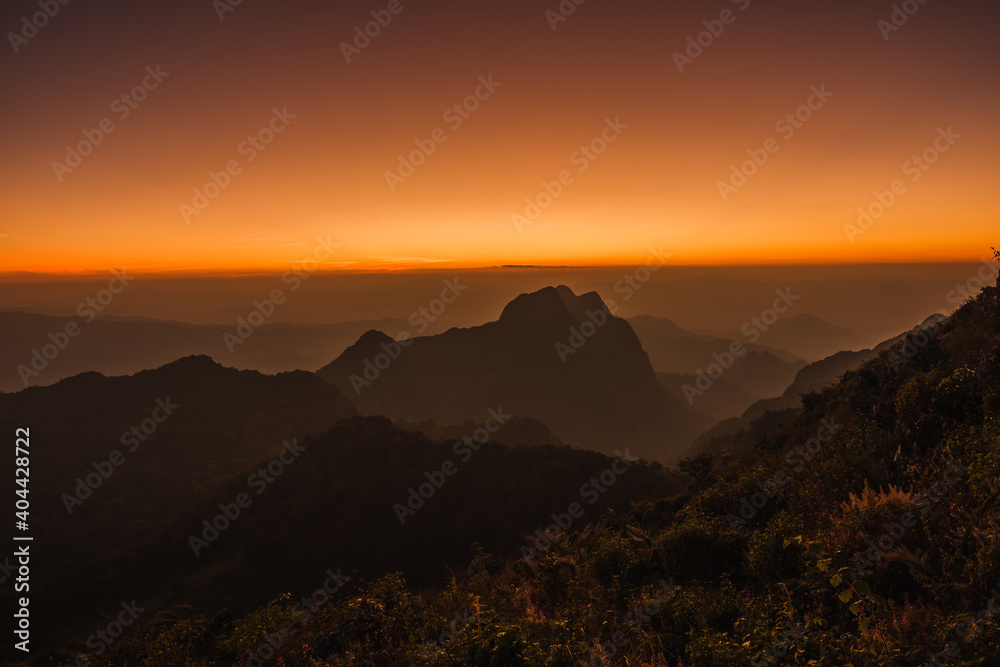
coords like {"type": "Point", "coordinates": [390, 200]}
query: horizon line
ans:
{"type": "Point", "coordinates": [19, 276]}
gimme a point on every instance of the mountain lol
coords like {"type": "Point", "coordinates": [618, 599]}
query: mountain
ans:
{"type": "Point", "coordinates": [681, 357]}
{"type": "Point", "coordinates": [650, 327]}
{"type": "Point", "coordinates": [756, 369]}
{"type": "Point", "coordinates": [861, 529]}
{"type": "Point", "coordinates": [724, 401]}
{"type": "Point", "coordinates": [812, 378]}
{"type": "Point", "coordinates": [673, 349]}
{"type": "Point", "coordinates": [196, 483]}
{"type": "Point", "coordinates": [762, 373]}
{"type": "Point", "coordinates": [515, 431]}
{"type": "Point", "coordinates": [553, 356]}
{"type": "Point", "coordinates": [116, 460]}
{"type": "Point", "coordinates": [810, 337]}
{"type": "Point", "coordinates": [119, 346]}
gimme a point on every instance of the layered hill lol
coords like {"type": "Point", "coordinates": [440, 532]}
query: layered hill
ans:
{"type": "Point", "coordinates": [810, 337]}
{"type": "Point", "coordinates": [680, 357]}
{"type": "Point", "coordinates": [811, 378]}
{"type": "Point", "coordinates": [121, 346]}
{"type": "Point", "coordinates": [552, 356]}
{"type": "Point", "coordinates": [861, 531]}
{"type": "Point", "coordinates": [196, 483]}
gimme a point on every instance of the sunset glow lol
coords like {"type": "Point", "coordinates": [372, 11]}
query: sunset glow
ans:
{"type": "Point", "coordinates": [551, 96]}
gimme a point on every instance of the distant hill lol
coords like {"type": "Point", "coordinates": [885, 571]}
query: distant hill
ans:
{"type": "Point", "coordinates": [673, 349]}
{"type": "Point", "coordinates": [723, 401]}
{"type": "Point", "coordinates": [117, 346]}
{"type": "Point", "coordinates": [323, 484]}
{"type": "Point", "coordinates": [810, 337]}
{"type": "Point", "coordinates": [514, 432]}
{"type": "Point", "coordinates": [811, 378]}
{"type": "Point", "coordinates": [648, 326]}
{"type": "Point", "coordinates": [552, 356]}
{"type": "Point", "coordinates": [679, 356]}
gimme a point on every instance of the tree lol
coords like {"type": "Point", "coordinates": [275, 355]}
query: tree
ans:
{"type": "Point", "coordinates": [698, 466]}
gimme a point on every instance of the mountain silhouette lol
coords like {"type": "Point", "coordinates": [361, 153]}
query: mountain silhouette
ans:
{"type": "Point", "coordinates": [810, 337]}
{"type": "Point", "coordinates": [117, 508]}
{"type": "Point", "coordinates": [811, 378]}
{"type": "Point", "coordinates": [121, 346]}
{"type": "Point", "coordinates": [879, 488]}
{"type": "Point", "coordinates": [120, 459]}
{"type": "Point", "coordinates": [553, 356]}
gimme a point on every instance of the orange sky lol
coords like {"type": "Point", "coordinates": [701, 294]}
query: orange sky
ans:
{"type": "Point", "coordinates": [657, 184]}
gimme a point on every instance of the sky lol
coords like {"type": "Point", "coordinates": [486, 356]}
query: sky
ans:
{"type": "Point", "coordinates": [260, 134]}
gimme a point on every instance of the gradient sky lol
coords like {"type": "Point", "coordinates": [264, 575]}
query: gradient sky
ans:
{"type": "Point", "coordinates": [656, 185]}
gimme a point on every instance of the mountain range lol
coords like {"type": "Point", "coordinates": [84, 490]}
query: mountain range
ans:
{"type": "Point", "coordinates": [118, 346]}
{"type": "Point", "coordinates": [194, 483]}
{"type": "Point", "coordinates": [857, 526]}
{"type": "Point", "coordinates": [553, 356]}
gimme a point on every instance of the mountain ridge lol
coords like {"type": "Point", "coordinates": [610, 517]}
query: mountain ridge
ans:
{"type": "Point", "coordinates": [560, 358]}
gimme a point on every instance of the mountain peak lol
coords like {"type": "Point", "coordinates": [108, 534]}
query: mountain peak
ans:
{"type": "Point", "coordinates": [193, 361]}
{"type": "Point", "coordinates": [373, 337]}
{"type": "Point", "coordinates": [551, 303]}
